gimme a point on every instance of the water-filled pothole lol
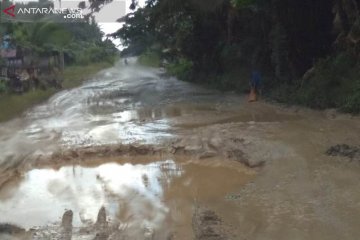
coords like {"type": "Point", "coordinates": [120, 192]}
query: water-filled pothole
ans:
{"type": "Point", "coordinates": [154, 195]}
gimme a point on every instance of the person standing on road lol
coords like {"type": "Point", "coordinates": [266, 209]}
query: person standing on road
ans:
{"type": "Point", "coordinates": [255, 84]}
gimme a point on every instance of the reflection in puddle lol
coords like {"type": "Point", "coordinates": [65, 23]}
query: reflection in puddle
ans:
{"type": "Point", "coordinates": [158, 195]}
{"type": "Point", "coordinates": [44, 194]}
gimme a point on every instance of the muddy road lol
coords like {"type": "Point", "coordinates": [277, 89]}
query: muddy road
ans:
{"type": "Point", "coordinates": [135, 154]}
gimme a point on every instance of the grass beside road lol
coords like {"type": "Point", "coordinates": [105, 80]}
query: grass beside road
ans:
{"type": "Point", "coordinates": [13, 105]}
{"type": "Point", "coordinates": [74, 76]}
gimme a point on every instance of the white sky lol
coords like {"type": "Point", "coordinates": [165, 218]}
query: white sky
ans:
{"type": "Point", "coordinates": [111, 27]}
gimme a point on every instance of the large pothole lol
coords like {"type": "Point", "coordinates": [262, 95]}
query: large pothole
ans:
{"type": "Point", "coordinates": [143, 197]}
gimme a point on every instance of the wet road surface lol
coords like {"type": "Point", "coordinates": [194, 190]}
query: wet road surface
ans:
{"type": "Point", "coordinates": [298, 193]}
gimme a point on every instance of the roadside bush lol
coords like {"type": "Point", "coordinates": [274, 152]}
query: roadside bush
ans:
{"type": "Point", "coordinates": [282, 93]}
{"type": "Point", "coordinates": [335, 84]}
{"type": "Point", "coordinates": [352, 103]}
{"type": "Point", "coordinates": [181, 69]}
{"type": "Point", "coordinates": [3, 87]}
{"type": "Point", "coordinates": [92, 54]}
{"type": "Point", "coordinates": [332, 84]}
{"type": "Point", "coordinates": [85, 53]}
{"type": "Point", "coordinates": [150, 58]}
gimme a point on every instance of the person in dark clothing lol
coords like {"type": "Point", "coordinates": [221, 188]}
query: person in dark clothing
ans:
{"type": "Point", "coordinates": [255, 85]}
{"type": "Point", "coordinates": [256, 81]}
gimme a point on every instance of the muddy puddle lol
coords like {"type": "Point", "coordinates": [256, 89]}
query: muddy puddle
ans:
{"type": "Point", "coordinates": [151, 196]}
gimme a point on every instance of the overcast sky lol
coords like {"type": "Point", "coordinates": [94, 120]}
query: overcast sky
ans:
{"type": "Point", "coordinates": [110, 27]}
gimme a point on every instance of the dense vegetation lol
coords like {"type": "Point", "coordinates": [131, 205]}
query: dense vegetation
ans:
{"type": "Point", "coordinates": [307, 51]}
{"type": "Point", "coordinates": [81, 45]}
{"type": "Point", "coordinates": [79, 41]}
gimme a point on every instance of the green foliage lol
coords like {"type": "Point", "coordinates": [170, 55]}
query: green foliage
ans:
{"type": "Point", "coordinates": [242, 3]}
{"type": "Point", "coordinates": [331, 84]}
{"type": "Point", "coordinates": [91, 54]}
{"type": "Point", "coordinates": [352, 102]}
{"type": "Point", "coordinates": [218, 42]}
{"type": "Point", "coordinates": [81, 41]}
{"type": "Point", "coordinates": [136, 33]}
{"type": "Point", "coordinates": [40, 37]}
{"type": "Point", "coordinates": [87, 46]}
{"type": "Point", "coordinates": [194, 39]}
{"type": "Point", "coordinates": [182, 68]}
{"type": "Point", "coordinates": [150, 58]}
{"type": "Point", "coordinates": [3, 87]}
{"type": "Point", "coordinates": [13, 105]}
{"type": "Point", "coordinates": [335, 84]}
{"type": "Point", "coordinates": [50, 35]}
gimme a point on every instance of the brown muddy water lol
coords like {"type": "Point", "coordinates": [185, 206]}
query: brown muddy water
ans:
{"type": "Point", "coordinates": [157, 196]}
{"type": "Point", "coordinates": [172, 160]}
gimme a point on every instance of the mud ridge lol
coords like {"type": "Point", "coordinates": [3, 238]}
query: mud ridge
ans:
{"type": "Point", "coordinates": [344, 150]}
{"type": "Point", "coordinates": [228, 149]}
